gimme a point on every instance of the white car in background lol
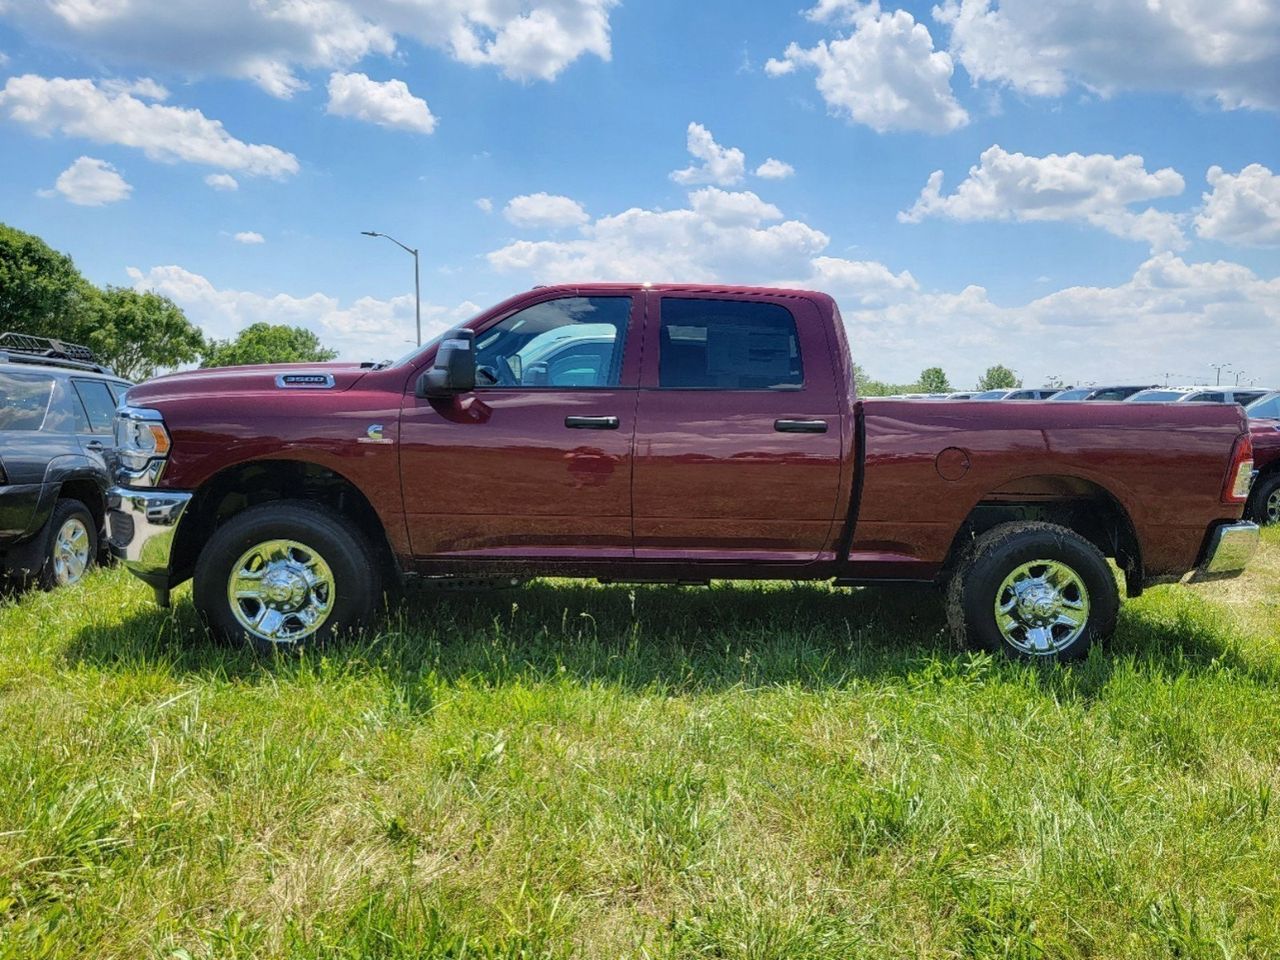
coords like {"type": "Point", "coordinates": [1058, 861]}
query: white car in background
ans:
{"type": "Point", "coordinates": [1241, 395]}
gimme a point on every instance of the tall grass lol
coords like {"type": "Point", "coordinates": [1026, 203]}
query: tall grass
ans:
{"type": "Point", "coordinates": [568, 770]}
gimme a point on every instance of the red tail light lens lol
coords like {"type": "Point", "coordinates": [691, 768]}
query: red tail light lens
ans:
{"type": "Point", "coordinates": [1240, 476]}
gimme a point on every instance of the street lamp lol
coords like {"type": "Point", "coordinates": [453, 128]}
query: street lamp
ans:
{"type": "Point", "coordinates": [1219, 367]}
{"type": "Point", "coordinates": [417, 283]}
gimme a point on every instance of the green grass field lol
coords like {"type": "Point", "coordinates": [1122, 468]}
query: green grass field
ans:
{"type": "Point", "coordinates": [571, 770]}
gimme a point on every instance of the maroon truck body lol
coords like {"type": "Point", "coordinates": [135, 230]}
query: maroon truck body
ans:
{"type": "Point", "coordinates": [691, 484]}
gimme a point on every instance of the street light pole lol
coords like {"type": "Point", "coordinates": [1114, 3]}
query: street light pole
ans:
{"type": "Point", "coordinates": [417, 281]}
{"type": "Point", "coordinates": [1218, 368]}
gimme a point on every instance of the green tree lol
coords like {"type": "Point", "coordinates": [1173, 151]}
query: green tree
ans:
{"type": "Point", "coordinates": [999, 377]}
{"type": "Point", "coordinates": [138, 333]}
{"type": "Point", "coordinates": [934, 380]}
{"type": "Point", "coordinates": [267, 343]}
{"type": "Point", "coordinates": [41, 291]}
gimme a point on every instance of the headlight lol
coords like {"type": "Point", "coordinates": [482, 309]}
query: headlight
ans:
{"type": "Point", "coordinates": [142, 443]}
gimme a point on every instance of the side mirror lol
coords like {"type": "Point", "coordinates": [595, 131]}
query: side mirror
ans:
{"type": "Point", "coordinates": [454, 368]}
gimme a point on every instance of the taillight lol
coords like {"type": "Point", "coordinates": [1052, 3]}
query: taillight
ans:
{"type": "Point", "coordinates": [1240, 476]}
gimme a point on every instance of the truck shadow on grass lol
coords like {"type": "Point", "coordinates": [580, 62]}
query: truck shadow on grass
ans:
{"type": "Point", "coordinates": [669, 639]}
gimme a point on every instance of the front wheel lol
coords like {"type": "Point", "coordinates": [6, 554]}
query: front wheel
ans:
{"type": "Point", "coordinates": [72, 545]}
{"type": "Point", "coordinates": [1265, 505]}
{"type": "Point", "coordinates": [286, 574]}
{"type": "Point", "coordinates": [1033, 591]}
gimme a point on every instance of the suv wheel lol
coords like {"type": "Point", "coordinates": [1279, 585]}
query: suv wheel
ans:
{"type": "Point", "coordinates": [72, 545]}
{"type": "Point", "coordinates": [1033, 591]}
{"type": "Point", "coordinates": [1266, 501]}
{"type": "Point", "coordinates": [285, 574]}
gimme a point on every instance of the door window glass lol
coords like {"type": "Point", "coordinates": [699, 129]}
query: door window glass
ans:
{"type": "Point", "coordinates": [571, 342]}
{"type": "Point", "coordinates": [1265, 409]}
{"type": "Point", "coordinates": [98, 404]}
{"type": "Point", "coordinates": [728, 345]}
{"type": "Point", "coordinates": [24, 400]}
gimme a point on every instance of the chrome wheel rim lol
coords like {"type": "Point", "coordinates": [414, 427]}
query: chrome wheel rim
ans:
{"type": "Point", "coordinates": [70, 552]}
{"type": "Point", "coordinates": [281, 591]}
{"type": "Point", "coordinates": [1042, 607]}
{"type": "Point", "coordinates": [1272, 512]}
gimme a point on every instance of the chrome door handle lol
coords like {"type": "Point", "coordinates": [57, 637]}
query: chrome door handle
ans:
{"type": "Point", "coordinates": [591, 423]}
{"type": "Point", "coordinates": [800, 426]}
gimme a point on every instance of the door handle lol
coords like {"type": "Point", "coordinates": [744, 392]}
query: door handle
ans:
{"type": "Point", "coordinates": [591, 423]}
{"type": "Point", "coordinates": [94, 445]}
{"type": "Point", "coordinates": [800, 426]}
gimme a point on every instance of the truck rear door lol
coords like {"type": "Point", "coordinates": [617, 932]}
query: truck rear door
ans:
{"type": "Point", "coordinates": [738, 430]}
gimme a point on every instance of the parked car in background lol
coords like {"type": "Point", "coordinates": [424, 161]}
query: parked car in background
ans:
{"type": "Point", "coordinates": [1099, 393]}
{"type": "Point", "coordinates": [720, 436]}
{"type": "Point", "coordinates": [57, 413]}
{"type": "Point", "coordinates": [1264, 425]}
{"type": "Point", "coordinates": [961, 395]}
{"type": "Point", "coordinates": [1241, 395]}
{"type": "Point", "coordinates": [1032, 393]}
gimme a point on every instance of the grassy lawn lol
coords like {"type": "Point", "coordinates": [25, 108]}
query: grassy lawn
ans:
{"type": "Point", "coordinates": [571, 770]}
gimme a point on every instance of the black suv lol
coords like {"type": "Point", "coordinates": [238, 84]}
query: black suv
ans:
{"type": "Point", "coordinates": [57, 409]}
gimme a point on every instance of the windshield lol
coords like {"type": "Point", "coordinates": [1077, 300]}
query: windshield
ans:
{"type": "Point", "coordinates": [1071, 395]}
{"type": "Point", "coordinates": [1267, 408]}
{"type": "Point", "coordinates": [1156, 396]}
{"type": "Point", "coordinates": [990, 395]}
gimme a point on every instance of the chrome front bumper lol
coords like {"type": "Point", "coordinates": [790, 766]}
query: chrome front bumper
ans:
{"type": "Point", "coordinates": [140, 528]}
{"type": "Point", "coordinates": [1231, 547]}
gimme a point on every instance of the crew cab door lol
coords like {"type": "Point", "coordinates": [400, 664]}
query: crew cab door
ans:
{"type": "Point", "coordinates": [738, 431]}
{"type": "Point", "coordinates": [536, 462]}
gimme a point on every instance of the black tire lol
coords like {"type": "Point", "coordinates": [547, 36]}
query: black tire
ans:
{"type": "Point", "coordinates": [348, 602]}
{"type": "Point", "coordinates": [1264, 504]}
{"type": "Point", "coordinates": [54, 569]}
{"type": "Point", "coordinates": [1086, 593]}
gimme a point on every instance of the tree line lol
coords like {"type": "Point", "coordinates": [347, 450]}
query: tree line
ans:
{"type": "Point", "coordinates": [136, 333]}
{"type": "Point", "coordinates": [934, 380]}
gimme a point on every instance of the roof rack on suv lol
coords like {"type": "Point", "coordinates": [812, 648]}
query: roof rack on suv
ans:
{"type": "Point", "coordinates": [28, 348]}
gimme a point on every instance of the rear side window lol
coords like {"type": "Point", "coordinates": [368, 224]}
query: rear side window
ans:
{"type": "Point", "coordinates": [728, 345]}
{"type": "Point", "coordinates": [1207, 398]}
{"type": "Point", "coordinates": [24, 400]}
{"type": "Point", "coordinates": [98, 404]}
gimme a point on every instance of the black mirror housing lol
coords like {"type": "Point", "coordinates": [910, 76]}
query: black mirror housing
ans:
{"type": "Point", "coordinates": [454, 369]}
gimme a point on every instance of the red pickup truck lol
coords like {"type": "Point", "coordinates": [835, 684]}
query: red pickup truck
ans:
{"type": "Point", "coordinates": [666, 434]}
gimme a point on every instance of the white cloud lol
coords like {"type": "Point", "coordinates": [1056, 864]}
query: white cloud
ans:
{"type": "Point", "coordinates": [1243, 208]}
{"type": "Point", "coordinates": [80, 108]}
{"type": "Point", "coordinates": [250, 237]}
{"type": "Point", "coordinates": [368, 328]}
{"type": "Point", "coordinates": [773, 169]}
{"type": "Point", "coordinates": [724, 166]}
{"type": "Point", "coordinates": [387, 104]}
{"type": "Point", "coordinates": [485, 205]}
{"type": "Point", "coordinates": [721, 236]}
{"type": "Point", "coordinates": [545, 210]}
{"type": "Point", "coordinates": [885, 74]}
{"type": "Point", "coordinates": [269, 42]}
{"type": "Point", "coordinates": [1097, 189]}
{"type": "Point", "coordinates": [222, 181]}
{"type": "Point", "coordinates": [92, 183]}
{"type": "Point", "coordinates": [1225, 49]}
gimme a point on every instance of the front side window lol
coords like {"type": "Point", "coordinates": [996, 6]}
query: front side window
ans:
{"type": "Point", "coordinates": [558, 344]}
{"type": "Point", "coordinates": [24, 400]}
{"type": "Point", "coordinates": [728, 345]}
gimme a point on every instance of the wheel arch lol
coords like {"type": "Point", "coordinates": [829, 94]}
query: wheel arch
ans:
{"type": "Point", "coordinates": [251, 483]}
{"type": "Point", "coordinates": [1079, 504]}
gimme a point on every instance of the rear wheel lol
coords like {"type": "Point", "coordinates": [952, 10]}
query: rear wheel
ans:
{"type": "Point", "coordinates": [1033, 591]}
{"type": "Point", "coordinates": [286, 574]}
{"type": "Point", "coordinates": [1265, 505]}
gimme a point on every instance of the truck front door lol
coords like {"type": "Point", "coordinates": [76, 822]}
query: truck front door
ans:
{"type": "Point", "coordinates": [536, 462]}
{"type": "Point", "coordinates": [738, 431]}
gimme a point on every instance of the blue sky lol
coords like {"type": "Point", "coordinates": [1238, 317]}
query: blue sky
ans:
{"type": "Point", "coordinates": [1075, 230]}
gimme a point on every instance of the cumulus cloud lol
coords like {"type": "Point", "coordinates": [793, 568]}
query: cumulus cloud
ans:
{"type": "Point", "coordinates": [720, 236]}
{"type": "Point", "coordinates": [1242, 208]}
{"type": "Point", "coordinates": [387, 104]}
{"type": "Point", "coordinates": [222, 181]}
{"type": "Point", "coordinates": [269, 42]}
{"type": "Point", "coordinates": [885, 73]}
{"type": "Point", "coordinates": [1229, 51]}
{"type": "Point", "coordinates": [724, 166]}
{"type": "Point", "coordinates": [365, 329]}
{"type": "Point", "coordinates": [250, 237]}
{"type": "Point", "coordinates": [84, 109]}
{"type": "Point", "coordinates": [92, 183]}
{"type": "Point", "coordinates": [1097, 189]}
{"type": "Point", "coordinates": [773, 169]}
{"type": "Point", "coordinates": [545, 210]}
